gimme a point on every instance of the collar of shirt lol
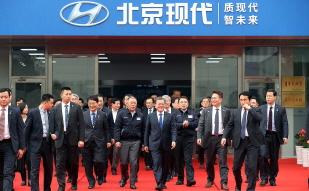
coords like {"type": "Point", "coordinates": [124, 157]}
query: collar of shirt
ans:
{"type": "Point", "coordinates": [214, 109]}
{"type": "Point", "coordinates": [183, 111]}
{"type": "Point", "coordinates": [268, 107]}
{"type": "Point", "coordinates": [63, 104]}
{"type": "Point", "coordinates": [96, 111]}
{"type": "Point", "coordinates": [114, 111]}
{"type": "Point", "coordinates": [158, 115]}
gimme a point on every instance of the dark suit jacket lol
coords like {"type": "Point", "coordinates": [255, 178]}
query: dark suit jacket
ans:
{"type": "Point", "coordinates": [99, 132]}
{"type": "Point", "coordinates": [154, 135]}
{"type": "Point", "coordinates": [16, 128]}
{"type": "Point", "coordinates": [106, 110]}
{"type": "Point", "coordinates": [145, 112]}
{"type": "Point", "coordinates": [253, 120]}
{"type": "Point", "coordinates": [76, 125]}
{"type": "Point", "coordinates": [205, 124]}
{"type": "Point", "coordinates": [281, 121]}
{"type": "Point", "coordinates": [34, 129]}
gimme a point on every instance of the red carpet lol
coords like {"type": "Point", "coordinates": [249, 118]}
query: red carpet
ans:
{"type": "Point", "coordinates": [292, 177]}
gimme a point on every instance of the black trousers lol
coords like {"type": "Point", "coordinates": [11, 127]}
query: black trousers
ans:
{"type": "Point", "coordinates": [184, 150]}
{"type": "Point", "coordinates": [244, 149]}
{"type": "Point", "coordinates": [161, 160]}
{"type": "Point", "coordinates": [7, 158]}
{"type": "Point", "coordinates": [213, 148]}
{"type": "Point", "coordinates": [148, 159]}
{"type": "Point", "coordinates": [66, 150]}
{"type": "Point", "coordinates": [200, 151]}
{"type": "Point", "coordinates": [269, 157]}
{"type": "Point", "coordinates": [93, 156]}
{"type": "Point", "coordinates": [45, 152]}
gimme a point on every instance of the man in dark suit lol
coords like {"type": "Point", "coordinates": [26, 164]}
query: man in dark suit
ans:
{"type": "Point", "coordinates": [210, 130]}
{"type": "Point", "coordinates": [275, 128]}
{"type": "Point", "coordinates": [160, 138]}
{"type": "Point", "coordinates": [69, 135]}
{"type": "Point", "coordinates": [186, 121]}
{"type": "Point", "coordinates": [129, 127]}
{"type": "Point", "coordinates": [243, 126]}
{"type": "Point", "coordinates": [149, 109]}
{"type": "Point", "coordinates": [113, 153]}
{"type": "Point", "coordinates": [39, 127]}
{"type": "Point", "coordinates": [97, 138]}
{"type": "Point", "coordinates": [12, 140]}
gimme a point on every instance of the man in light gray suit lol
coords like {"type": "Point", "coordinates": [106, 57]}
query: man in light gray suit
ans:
{"type": "Point", "coordinates": [210, 130]}
{"type": "Point", "coordinates": [275, 128]}
{"type": "Point", "coordinates": [160, 139]}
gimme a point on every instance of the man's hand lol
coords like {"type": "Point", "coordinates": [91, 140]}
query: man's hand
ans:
{"type": "Point", "coordinates": [80, 143]}
{"type": "Point", "coordinates": [246, 106]}
{"type": "Point", "coordinates": [20, 153]}
{"type": "Point", "coordinates": [112, 141]}
{"type": "Point", "coordinates": [285, 141]}
{"type": "Point", "coordinates": [109, 145]}
{"type": "Point", "coordinates": [143, 148]}
{"type": "Point", "coordinates": [146, 149]}
{"type": "Point", "coordinates": [199, 141]}
{"type": "Point", "coordinates": [185, 123]}
{"type": "Point", "coordinates": [173, 145]}
{"type": "Point", "coordinates": [223, 142]}
{"type": "Point", "coordinates": [53, 136]}
{"type": "Point", "coordinates": [118, 144]}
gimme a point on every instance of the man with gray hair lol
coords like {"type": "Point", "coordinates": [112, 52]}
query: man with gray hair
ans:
{"type": "Point", "coordinates": [75, 98]}
{"type": "Point", "coordinates": [167, 107]}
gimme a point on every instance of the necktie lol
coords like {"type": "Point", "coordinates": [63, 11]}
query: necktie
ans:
{"type": "Point", "coordinates": [93, 119]}
{"type": "Point", "coordinates": [149, 111]}
{"type": "Point", "coordinates": [46, 122]}
{"type": "Point", "coordinates": [66, 117]}
{"type": "Point", "coordinates": [217, 122]}
{"type": "Point", "coordinates": [160, 121]}
{"type": "Point", "coordinates": [270, 119]}
{"type": "Point", "coordinates": [167, 111]}
{"type": "Point", "coordinates": [243, 125]}
{"type": "Point", "coordinates": [2, 124]}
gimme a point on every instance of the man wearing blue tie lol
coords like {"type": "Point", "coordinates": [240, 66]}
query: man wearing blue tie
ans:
{"type": "Point", "coordinates": [160, 139]}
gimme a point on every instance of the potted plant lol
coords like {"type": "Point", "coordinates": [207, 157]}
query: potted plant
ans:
{"type": "Point", "coordinates": [300, 143]}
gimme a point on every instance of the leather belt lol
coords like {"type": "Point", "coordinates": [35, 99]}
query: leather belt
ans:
{"type": "Point", "coordinates": [271, 132]}
{"type": "Point", "coordinates": [246, 137]}
{"type": "Point", "coordinates": [65, 132]}
{"type": "Point", "coordinates": [5, 141]}
{"type": "Point", "coordinates": [217, 135]}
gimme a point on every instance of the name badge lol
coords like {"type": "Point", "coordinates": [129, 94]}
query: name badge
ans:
{"type": "Point", "coordinates": [190, 116]}
{"type": "Point", "coordinates": [138, 118]}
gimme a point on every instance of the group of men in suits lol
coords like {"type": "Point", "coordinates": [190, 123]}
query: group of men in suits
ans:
{"type": "Point", "coordinates": [253, 133]}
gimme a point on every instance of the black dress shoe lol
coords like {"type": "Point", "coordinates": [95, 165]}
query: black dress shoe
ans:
{"type": "Point", "coordinates": [209, 184]}
{"type": "Point", "coordinates": [158, 187]}
{"type": "Point", "coordinates": [224, 187]}
{"type": "Point", "coordinates": [69, 180]}
{"type": "Point", "coordinates": [100, 182]}
{"type": "Point", "coordinates": [237, 189]}
{"type": "Point", "coordinates": [201, 166]}
{"type": "Point", "coordinates": [164, 186]}
{"type": "Point", "coordinates": [29, 182]}
{"type": "Point", "coordinates": [123, 183]}
{"type": "Point", "coordinates": [247, 181]}
{"type": "Point", "coordinates": [191, 183]}
{"type": "Point", "coordinates": [264, 182]}
{"type": "Point", "coordinates": [91, 187]}
{"type": "Point", "coordinates": [114, 172]}
{"type": "Point", "coordinates": [273, 184]}
{"type": "Point", "coordinates": [132, 186]}
{"type": "Point", "coordinates": [60, 189]}
{"type": "Point", "coordinates": [23, 183]}
{"type": "Point", "coordinates": [257, 179]}
{"type": "Point", "coordinates": [147, 168]}
{"type": "Point", "coordinates": [104, 180]}
{"type": "Point", "coordinates": [74, 187]}
{"type": "Point", "coordinates": [179, 182]}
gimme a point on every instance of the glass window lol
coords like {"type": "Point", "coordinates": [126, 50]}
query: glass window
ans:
{"type": "Point", "coordinates": [261, 61]}
{"type": "Point", "coordinates": [28, 61]}
{"type": "Point", "coordinates": [76, 73]}
{"type": "Point", "coordinates": [217, 74]}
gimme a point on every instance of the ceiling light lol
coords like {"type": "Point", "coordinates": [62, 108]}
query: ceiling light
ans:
{"type": "Point", "coordinates": [40, 58]}
{"type": "Point", "coordinates": [215, 58]}
{"type": "Point", "coordinates": [104, 58]}
{"type": "Point", "coordinates": [105, 61]}
{"type": "Point", "coordinates": [157, 61]}
{"type": "Point", "coordinates": [157, 54]}
{"type": "Point", "coordinates": [36, 54]}
{"type": "Point", "coordinates": [29, 49]}
{"type": "Point", "coordinates": [212, 61]}
{"type": "Point", "coordinates": [158, 58]}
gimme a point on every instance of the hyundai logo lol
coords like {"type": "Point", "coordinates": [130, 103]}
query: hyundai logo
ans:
{"type": "Point", "coordinates": [76, 13]}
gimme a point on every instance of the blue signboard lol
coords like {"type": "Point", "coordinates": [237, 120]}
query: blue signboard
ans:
{"type": "Point", "coordinates": [155, 18]}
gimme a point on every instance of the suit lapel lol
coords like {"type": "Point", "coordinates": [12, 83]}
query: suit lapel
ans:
{"type": "Point", "coordinates": [9, 115]}
{"type": "Point", "coordinates": [60, 112]}
{"type": "Point", "coordinates": [39, 116]}
{"type": "Point", "coordinates": [210, 115]}
{"type": "Point", "coordinates": [164, 120]}
{"type": "Point", "coordinates": [88, 119]}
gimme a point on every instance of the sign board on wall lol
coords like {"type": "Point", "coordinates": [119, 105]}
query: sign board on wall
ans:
{"type": "Point", "coordinates": [293, 91]}
{"type": "Point", "coordinates": [155, 18]}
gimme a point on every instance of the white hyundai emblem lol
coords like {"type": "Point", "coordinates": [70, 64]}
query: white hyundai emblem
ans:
{"type": "Point", "coordinates": [76, 13]}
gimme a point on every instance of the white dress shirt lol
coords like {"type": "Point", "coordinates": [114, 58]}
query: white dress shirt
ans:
{"type": "Point", "coordinates": [273, 119]}
{"type": "Point", "coordinates": [6, 123]}
{"type": "Point", "coordinates": [63, 114]}
{"type": "Point", "coordinates": [242, 113]}
{"type": "Point", "coordinates": [220, 132]}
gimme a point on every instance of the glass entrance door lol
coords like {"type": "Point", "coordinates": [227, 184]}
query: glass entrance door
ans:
{"type": "Point", "coordinates": [29, 89]}
{"type": "Point", "coordinates": [258, 88]}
